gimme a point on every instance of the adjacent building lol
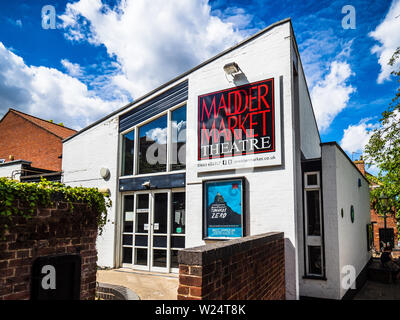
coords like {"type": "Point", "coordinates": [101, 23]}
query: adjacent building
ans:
{"type": "Point", "coordinates": [229, 148]}
{"type": "Point", "coordinates": [381, 234]}
{"type": "Point", "coordinates": [30, 147]}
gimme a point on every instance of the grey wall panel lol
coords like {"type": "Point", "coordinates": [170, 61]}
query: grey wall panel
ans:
{"type": "Point", "coordinates": [162, 102]}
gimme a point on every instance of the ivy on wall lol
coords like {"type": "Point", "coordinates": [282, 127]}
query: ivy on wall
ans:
{"type": "Point", "coordinates": [43, 194]}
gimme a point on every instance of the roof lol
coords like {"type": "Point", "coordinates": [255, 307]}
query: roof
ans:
{"type": "Point", "coordinates": [182, 75]}
{"type": "Point", "coordinates": [56, 129]}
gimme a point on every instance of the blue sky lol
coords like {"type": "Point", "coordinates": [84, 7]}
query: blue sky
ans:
{"type": "Point", "coordinates": [103, 54]}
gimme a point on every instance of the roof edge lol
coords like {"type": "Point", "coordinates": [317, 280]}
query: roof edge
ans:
{"type": "Point", "coordinates": [181, 76]}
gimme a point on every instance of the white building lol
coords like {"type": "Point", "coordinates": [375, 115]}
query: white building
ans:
{"type": "Point", "coordinates": [252, 146]}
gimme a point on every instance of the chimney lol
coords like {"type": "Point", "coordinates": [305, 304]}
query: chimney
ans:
{"type": "Point", "coordinates": [360, 165]}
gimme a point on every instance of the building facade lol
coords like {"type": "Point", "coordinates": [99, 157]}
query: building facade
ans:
{"type": "Point", "coordinates": [29, 145]}
{"type": "Point", "coordinates": [228, 149]}
{"type": "Point", "coordinates": [380, 234]}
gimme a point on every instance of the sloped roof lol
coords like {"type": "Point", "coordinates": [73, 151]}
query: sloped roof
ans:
{"type": "Point", "coordinates": [56, 129]}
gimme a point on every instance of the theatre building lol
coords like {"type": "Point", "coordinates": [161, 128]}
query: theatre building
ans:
{"type": "Point", "coordinates": [228, 149]}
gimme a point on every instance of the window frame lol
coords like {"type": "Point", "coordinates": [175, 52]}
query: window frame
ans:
{"type": "Point", "coordinates": [135, 128]}
{"type": "Point", "coordinates": [312, 240]}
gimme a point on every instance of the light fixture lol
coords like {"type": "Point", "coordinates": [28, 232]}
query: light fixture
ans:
{"type": "Point", "coordinates": [231, 68]}
{"type": "Point", "coordinates": [146, 184]}
{"type": "Point", "coordinates": [384, 200]}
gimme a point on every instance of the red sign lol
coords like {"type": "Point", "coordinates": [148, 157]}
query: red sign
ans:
{"type": "Point", "coordinates": [237, 121]}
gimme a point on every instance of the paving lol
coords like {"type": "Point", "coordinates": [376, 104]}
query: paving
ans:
{"type": "Point", "coordinates": [379, 291]}
{"type": "Point", "coordinates": [147, 285]}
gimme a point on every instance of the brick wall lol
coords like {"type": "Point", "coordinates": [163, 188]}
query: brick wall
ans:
{"type": "Point", "coordinates": [26, 141]}
{"type": "Point", "coordinates": [391, 223]}
{"type": "Point", "coordinates": [249, 268]}
{"type": "Point", "coordinates": [51, 231]}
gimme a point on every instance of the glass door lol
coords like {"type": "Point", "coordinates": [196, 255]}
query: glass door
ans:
{"type": "Point", "coordinates": [153, 230]}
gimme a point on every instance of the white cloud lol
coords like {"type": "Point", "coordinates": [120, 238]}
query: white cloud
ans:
{"type": "Point", "coordinates": [355, 137]}
{"type": "Point", "coordinates": [49, 93]}
{"type": "Point", "coordinates": [331, 95]}
{"type": "Point", "coordinates": [388, 34]}
{"type": "Point", "coordinates": [152, 41]}
{"type": "Point", "coordinates": [73, 69]}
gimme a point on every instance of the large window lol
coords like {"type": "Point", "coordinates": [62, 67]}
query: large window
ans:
{"type": "Point", "coordinates": [156, 146]}
{"type": "Point", "coordinates": [153, 146]}
{"type": "Point", "coordinates": [127, 153]}
{"type": "Point", "coordinates": [313, 225]}
{"type": "Point", "coordinates": [178, 138]}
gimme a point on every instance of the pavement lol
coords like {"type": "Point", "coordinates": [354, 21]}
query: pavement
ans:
{"type": "Point", "coordinates": [379, 291]}
{"type": "Point", "coordinates": [147, 285]}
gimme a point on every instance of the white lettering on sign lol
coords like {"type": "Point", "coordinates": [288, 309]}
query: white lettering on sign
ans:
{"type": "Point", "coordinates": [49, 280]}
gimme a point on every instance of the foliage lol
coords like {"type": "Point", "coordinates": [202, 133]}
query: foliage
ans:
{"type": "Point", "coordinates": [383, 150]}
{"type": "Point", "coordinates": [42, 194]}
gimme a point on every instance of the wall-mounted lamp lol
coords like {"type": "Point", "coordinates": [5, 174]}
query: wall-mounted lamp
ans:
{"type": "Point", "coordinates": [231, 68]}
{"type": "Point", "coordinates": [146, 184]}
{"type": "Point", "coordinates": [105, 173]}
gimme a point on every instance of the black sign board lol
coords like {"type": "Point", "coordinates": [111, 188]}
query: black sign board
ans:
{"type": "Point", "coordinates": [56, 278]}
{"type": "Point", "coordinates": [237, 121]}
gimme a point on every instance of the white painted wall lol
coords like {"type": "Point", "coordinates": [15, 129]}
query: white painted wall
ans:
{"type": "Point", "coordinates": [353, 248]}
{"type": "Point", "coordinates": [345, 242]}
{"type": "Point", "coordinates": [10, 169]}
{"type": "Point", "coordinates": [325, 288]}
{"type": "Point", "coordinates": [83, 157]}
{"type": "Point", "coordinates": [309, 135]}
{"type": "Point", "coordinates": [270, 190]}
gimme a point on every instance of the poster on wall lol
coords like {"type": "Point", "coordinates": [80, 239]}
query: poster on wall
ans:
{"type": "Point", "coordinates": [239, 127]}
{"type": "Point", "coordinates": [223, 206]}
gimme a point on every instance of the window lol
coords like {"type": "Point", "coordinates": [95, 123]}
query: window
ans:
{"type": "Point", "coordinates": [178, 123]}
{"type": "Point", "coordinates": [153, 146]}
{"type": "Point", "coordinates": [313, 224]}
{"type": "Point", "coordinates": [156, 146]}
{"type": "Point", "coordinates": [127, 153]}
{"type": "Point", "coordinates": [2, 161]}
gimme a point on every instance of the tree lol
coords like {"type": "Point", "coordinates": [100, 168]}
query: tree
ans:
{"type": "Point", "coordinates": [383, 150]}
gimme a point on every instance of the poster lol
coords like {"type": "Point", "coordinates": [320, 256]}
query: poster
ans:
{"type": "Point", "coordinates": [223, 208]}
{"type": "Point", "coordinates": [239, 127]}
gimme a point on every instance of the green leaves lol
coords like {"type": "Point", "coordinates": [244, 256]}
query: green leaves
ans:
{"type": "Point", "coordinates": [383, 150]}
{"type": "Point", "coordinates": [41, 194]}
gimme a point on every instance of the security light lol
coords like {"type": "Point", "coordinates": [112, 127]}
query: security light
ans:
{"type": "Point", "coordinates": [231, 68]}
{"type": "Point", "coordinates": [146, 184]}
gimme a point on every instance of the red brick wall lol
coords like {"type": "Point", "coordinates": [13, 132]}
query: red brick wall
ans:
{"type": "Point", "coordinates": [250, 268]}
{"type": "Point", "coordinates": [26, 141]}
{"type": "Point", "coordinates": [51, 231]}
{"type": "Point", "coordinates": [391, 222]}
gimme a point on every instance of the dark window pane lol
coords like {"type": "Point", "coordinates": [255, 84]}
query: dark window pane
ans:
{"type": "Point", "coordinates": [159, 258]}
{"type": "Point", "coordinates": [313, 215]}
{"type": "Point", "coordinates": [126, 255]}
{"type": "Point", "coordinates": [178, 138]}
{"type": "Point", "coordinates": [141, 241]}
{"type": "Point", "coordinates": [141, 257]}
{"type": "Point", "coordinates": [153, 146]}
{"type": "Point", "coordinates": [128, 214]}
{"type": "Point", "coordinates": [142, 222]}
{"type": "Point", "coordinates": [312, 180]}
{"type": "Point", "coordinates": [160, 212]}
{"type": "Point", "coordinates": [142, 201]}
{"type": "Point", "coordinates": [178, 213]}
{"type": "Point", "coordinates": [177, 242]}
{"type": "Point", "coordinates": [127, 153]}
{"type": "Point", "coordinates": [314, 260]}
{"type": "Point", "coordinates": [160, 241]}
{"type": "Point", "coordinates": [127, 239]}
{"type": "Point", "coordinates": [174, 259]}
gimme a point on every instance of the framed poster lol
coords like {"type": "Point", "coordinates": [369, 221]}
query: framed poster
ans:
{"type": "Point", "coordinates": [239, 127]}
{"type": "Point", "coordinates": [224, 208]}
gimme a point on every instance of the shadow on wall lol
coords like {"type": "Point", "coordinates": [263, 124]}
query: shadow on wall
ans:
{"type": "Point", "coordinates": [290, 270]}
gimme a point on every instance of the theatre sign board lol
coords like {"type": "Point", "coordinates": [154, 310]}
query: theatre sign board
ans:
{"type": "Point", "coordinates": [239, 127]}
